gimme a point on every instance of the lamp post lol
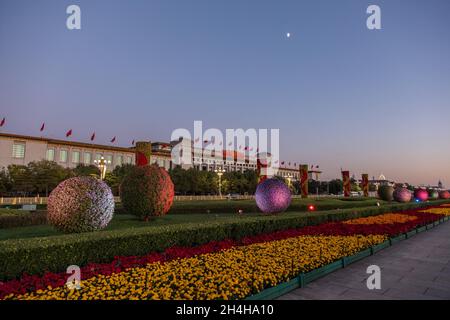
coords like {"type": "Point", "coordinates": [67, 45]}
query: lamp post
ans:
{"type": "Point", "coordinates": [289, 178]}
{"type": "Point", "coordinates": [101, 164]}
{"type": "Point", "coordinates": [220, 172]}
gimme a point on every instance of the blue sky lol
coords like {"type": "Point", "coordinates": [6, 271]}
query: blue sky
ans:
{"type": "Point", "coordinates": [341, 95]}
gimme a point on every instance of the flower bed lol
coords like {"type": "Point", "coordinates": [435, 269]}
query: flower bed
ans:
{"type": "Point", "coordinates": [266, 259]}
{"type": "Point", "coordinates": [388, 218]}
{"type": "Point", "coordinates": [444, 210]}
{"type": "Point", "coordinates": [229, 274]}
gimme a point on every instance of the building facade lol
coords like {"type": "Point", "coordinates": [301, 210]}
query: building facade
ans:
{"type": "Point", "coordinates": [21, 150]}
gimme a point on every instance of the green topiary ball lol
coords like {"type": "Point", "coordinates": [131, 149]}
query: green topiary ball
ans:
{"type": "Point", "coordinates": [147, 191]}
{"type": "Point", "coordinates": [386, 193]}
{"type": "Point", "coordinates": [433, 194]}
{"type": "Point", "coordinates": [80, 204]}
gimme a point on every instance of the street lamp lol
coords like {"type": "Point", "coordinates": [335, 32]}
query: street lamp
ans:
{"type": "Point", "coordinates": [101, 164]}
{"type": "Point", "coordinates": [220, 172]}
{"type": "Point", "coordinates": [289, 178]}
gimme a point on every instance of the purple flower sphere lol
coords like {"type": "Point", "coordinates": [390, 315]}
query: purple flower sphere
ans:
{"type": "Point", "coordinates": [402, 195]}
{"type": "Point", "coordinates": [80, 204]}
{"type": "Point", "coordinates": [272, 196]}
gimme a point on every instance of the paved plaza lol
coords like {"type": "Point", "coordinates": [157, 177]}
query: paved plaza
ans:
{"type": "Point", "coordinates": [416, 268]}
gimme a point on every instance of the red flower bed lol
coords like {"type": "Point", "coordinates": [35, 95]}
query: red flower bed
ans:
{"type": "Point", "coordinates": [29, 283]}
{"type": "Point", "coordinates": [342, 229]}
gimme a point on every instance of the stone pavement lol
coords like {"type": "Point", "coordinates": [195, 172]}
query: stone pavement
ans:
{"type": "Point", "coordinates": [415, 268]}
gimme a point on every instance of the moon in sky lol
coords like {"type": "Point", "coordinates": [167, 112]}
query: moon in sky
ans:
{"type": "Point", "coordinates": [288, 35]}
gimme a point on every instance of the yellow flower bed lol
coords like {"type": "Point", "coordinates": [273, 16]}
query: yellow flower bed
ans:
{"type": "Point", "coordinates": [230, 274]}
{"type": "Point", "coordinates": [443, 210]}
{"type": "Point", "coordinates": [387, 218]}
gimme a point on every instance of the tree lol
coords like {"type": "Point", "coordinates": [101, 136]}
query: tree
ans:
{"type": "Point", "coordinates": [20, 179]}
{"type": "Point", "coordinates": [46, 175]}
{"type": "Point", "coordinates": [5, 183]}
{"type": "Point", "coordinates": [335, 186]}
{"type": "Point", "coordinates": [82, 170]}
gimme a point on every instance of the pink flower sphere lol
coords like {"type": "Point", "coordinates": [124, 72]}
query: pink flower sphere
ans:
{"type": "Point", "coordinates": [402, 195]}
{"type": "Point", "coordinates": [272, 196]}
{"type": "Point", "coordinates": [444, 194]}
{"type": "Point", "coordinates": [421, 194]}
{"type": "Point", "coordinates": [80, 204]}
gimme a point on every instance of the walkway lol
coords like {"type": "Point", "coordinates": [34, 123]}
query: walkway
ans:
{"type": "Point", "coordinates": [416, 268]}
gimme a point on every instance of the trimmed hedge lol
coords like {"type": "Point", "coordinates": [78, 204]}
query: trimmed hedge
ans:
{"type": "Point", "coordinates": [18, 218]}
{"type": "Point", "coordinates": [297, 205]}
{"type": "Point", "coordinates": [36, 255]}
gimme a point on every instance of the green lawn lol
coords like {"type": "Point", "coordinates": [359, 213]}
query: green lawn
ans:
{"type": "Point", "coordinates": [297, 204]}
{"type": "Point", "coordinates": [126, 221]}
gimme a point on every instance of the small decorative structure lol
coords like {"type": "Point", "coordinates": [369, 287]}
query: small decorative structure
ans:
{"type": "Point", "coordinates": [80, 204]}
{"type": "Point", "coordinates": [147, 191]}
{"type": "Point", "coordinates": [421, 194]}
{"type": "Point", "coordinates": [386, 193]}
{"type": "Point", "coordinates": [272, 196]}
{"type": "Point", "coordinates": [402, 195]}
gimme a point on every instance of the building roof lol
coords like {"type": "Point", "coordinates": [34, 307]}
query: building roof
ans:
{"type": "Point", "coordinates": [67, 142]}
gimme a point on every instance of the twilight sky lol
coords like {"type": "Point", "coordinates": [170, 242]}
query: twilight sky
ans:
{"type": "Point", "coordinates": [341, 95]}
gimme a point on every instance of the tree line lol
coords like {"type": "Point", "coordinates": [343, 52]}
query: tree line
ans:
{"type": "Point", "coordinates": [41, 177]}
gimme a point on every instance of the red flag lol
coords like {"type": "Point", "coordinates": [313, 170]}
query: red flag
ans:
{"type": "Point", "coordinates": [2, 122]}
{"type": "Point", "coordinates": [43, 126]}
{"type": "Point", "coordinates": [93, 136]}
{"type": "Point", "coordinates": [69, 133]}
{"type": "Point", "coordinates": [113, 139]}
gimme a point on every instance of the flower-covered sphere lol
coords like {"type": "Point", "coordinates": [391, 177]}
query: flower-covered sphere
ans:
{"type": "Point", "coordinates": [272, 196]}
{"type": "Point", "coordinates": [147, 191]}
{"type": "Point", "coordinates": [433, 194]}
{"type": "Point", "coordinates": [421, 194]}
{"type": "Point", "coordinates": [80, 204]}
{"type": "Point", "coordinates": [402, 195]}
{"type": "Point", "coordinates": [444, 194]}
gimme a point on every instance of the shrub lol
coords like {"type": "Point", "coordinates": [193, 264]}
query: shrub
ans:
{"type": "Point", "coordinates": [147, 191]}
{"type": "Point", "coordinates": [80, 204]}
{"type": "Point", "coordinates": [386, 193]}
{"type": "Point", "coordinates": [36, 255]}
{"type": "Point", "coordinates": [19, 218]}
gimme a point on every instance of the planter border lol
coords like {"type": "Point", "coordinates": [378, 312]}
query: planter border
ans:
{"type": "Point", "coordinates": [304, 278]}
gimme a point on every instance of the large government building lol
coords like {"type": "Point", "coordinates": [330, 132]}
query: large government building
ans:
{"type": "Point", "coordinates": [21, 150]}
